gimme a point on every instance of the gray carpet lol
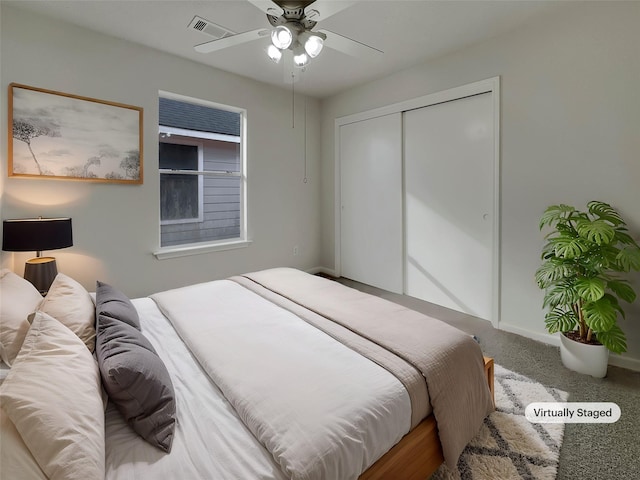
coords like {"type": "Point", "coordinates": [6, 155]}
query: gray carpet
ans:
{"type": "Point", "coordinates": [589, 451]}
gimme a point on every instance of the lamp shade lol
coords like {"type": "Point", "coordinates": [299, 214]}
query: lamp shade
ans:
{"type": "Point", "coordinates": [282, 36]}
{"type": "Point", "coordinates": [275, 54]}
{"type": "Point", "coordinates": [36, 234]}
{"type": "Point", "coordinates": [313, 42]}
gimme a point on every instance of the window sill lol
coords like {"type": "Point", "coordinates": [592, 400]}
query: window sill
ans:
{"type": "Point", "coordinates": [184, 251]}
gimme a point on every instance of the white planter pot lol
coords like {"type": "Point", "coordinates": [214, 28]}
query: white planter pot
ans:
{"type": "Point", "coordinates": [582, 358]}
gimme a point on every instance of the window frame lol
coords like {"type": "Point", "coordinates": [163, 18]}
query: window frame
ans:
{"type": "Point", "coordinates": [216, 245]}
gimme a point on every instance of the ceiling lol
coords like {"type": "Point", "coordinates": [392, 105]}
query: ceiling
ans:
{"type": "Point", "coordinates": [408, 32]}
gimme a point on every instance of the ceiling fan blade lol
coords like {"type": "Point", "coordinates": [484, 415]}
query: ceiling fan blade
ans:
{"type": "Point", "coordinates": [231, 40]}
{"type": "Point", "coordinates": [325, 9]}
{"type": "Point", "coordinates": [349, 46]}
{"type": "Point", "coordinates": [268, 7]}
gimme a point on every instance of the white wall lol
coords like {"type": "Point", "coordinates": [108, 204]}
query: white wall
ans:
{"type": "Point", "coordinates": [116, 227]}
{"type": "Point", "coordinates": [570, 86]}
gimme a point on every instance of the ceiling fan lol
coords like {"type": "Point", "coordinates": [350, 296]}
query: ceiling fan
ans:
{"type": "Point", "coordinates": [292, 23]}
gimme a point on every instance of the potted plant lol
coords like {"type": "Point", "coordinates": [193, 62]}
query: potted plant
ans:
{"type": "Point", "coordinates": [584, 253]}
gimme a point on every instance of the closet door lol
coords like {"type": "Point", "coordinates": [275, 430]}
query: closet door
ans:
{"type": "Point", "coordinates": [371, 202]}
{"type": "Point", "coordinates": [449, 202]}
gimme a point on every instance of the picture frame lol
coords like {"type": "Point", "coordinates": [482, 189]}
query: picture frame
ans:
{"type": "Point", "coordinates": [57, 135]}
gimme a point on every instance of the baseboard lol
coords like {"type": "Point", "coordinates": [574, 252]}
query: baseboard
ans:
{"type": "Point", "coordinates": [624, 362]}
{"type": "Point", "coordinates": [540, 337]}
{"type": "Point", "coordinates": [614, 359]}
{"type": "Point", "coordinates": [324, 270]}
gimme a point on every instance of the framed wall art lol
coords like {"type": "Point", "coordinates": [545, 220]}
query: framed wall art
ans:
{"type": "Point", "coordinates": [64, 136]}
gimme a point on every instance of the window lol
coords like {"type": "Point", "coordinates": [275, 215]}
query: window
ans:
{"type": "Point", "coordinates": [202, 180]}
{"type": "Point", "coordinates": [181, 199]}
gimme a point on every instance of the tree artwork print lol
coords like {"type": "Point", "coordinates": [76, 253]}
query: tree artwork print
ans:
{"type": "Point", "coordinates": [58, 135]}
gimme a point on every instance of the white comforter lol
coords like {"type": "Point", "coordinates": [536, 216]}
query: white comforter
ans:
{"type": "Point", "coordinates": [322, 410]}
{"type": "Point", "coordinates": [212, 442]}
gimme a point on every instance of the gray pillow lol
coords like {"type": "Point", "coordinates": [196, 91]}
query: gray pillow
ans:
{"type": "Point", "coordinates": [137, 381]}
{"type": "Point", "coordinates": [112, 302]}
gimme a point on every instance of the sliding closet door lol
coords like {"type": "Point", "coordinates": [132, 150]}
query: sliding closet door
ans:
{"type": "Point", "coordinates": [371, 202]}
{"type": "Point", "coordinates": [449, 196]}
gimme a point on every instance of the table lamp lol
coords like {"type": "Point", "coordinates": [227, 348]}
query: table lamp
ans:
{"type": "Point", "coordinates": [29, 234]}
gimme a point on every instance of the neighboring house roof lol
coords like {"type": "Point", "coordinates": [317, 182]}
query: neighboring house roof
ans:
{"type": "Point", "coordinates": [174, 113]}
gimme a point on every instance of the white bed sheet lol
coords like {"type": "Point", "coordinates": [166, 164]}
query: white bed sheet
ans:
{"type": "Point", "coordinates": [211, 442]}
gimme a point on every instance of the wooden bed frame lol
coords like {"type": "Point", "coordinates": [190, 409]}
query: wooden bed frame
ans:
{"type": "Point", "coordinates": [419, 453]}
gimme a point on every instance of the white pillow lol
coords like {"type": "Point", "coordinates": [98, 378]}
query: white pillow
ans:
{"type": "Point", "coordinates": [18, 298]}
{"type": "Point", "coordinates": [52, 396]}
{"type": "Point", "coordinates": [68, 302]}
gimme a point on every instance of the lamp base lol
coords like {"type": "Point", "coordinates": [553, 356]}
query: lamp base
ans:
{"type": "Point", "coordinates": [41, 271]}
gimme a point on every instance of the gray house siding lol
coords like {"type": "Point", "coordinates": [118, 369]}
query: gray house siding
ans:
{"type": "Point", "coordinates": [174, 113]}
{"type": "Point", "coordinates": [220, 199]}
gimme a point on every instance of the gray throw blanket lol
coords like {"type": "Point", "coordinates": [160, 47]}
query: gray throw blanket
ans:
{"type": "Point", "coordinates": [450, 360]}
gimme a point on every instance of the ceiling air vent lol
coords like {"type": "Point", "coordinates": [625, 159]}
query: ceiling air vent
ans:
{"type": "Point", "coordinates": [205, 26]}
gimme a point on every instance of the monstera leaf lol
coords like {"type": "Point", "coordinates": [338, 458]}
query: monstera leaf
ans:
{"type": "Point", "coordinates": [614, 339]}
{"type": "Point", "coordinates": [622, 236]}
{"type": "Point", "coordinates": [569, 247]}
{"type": "Point", "coordinates": [552, 271]}
{"type": "Point", "coordinates": [629, 258]}
{"type": "Point", "coordinates": [597, 231]}
{"type": "Point", "coordinates": [601, 316]}
{"type": "Point", "coordinates": [604, 211]}
{"type": "Point", "coordinates": [554, 213]}
{"type": "Point", "coordinates": [622, 289]}
{"type": "Point", "coordinates": [560, 320]}
{"type": "Point", "coordinates": [590, 289]}
{"type": "Point", "coordinates": [563, 294]}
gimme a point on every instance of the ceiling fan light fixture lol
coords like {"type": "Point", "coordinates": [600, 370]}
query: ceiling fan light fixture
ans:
{"type": "Point", "coordinates": [275, 54]}
{"type": "Point", "coordinates": [282, 37]}
{"type": "Point", "coordinates": [300, 58]}
{"type": "Point", "coordinates": [313, 45]}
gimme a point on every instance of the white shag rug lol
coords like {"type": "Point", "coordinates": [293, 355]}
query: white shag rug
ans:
{"type": "Point", "coordinates": [508, 446]}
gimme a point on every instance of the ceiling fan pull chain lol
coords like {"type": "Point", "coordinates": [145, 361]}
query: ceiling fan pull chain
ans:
{"type": "Point", "coordinates": [305, 140]}
{"type": "Point", "coordinates": [293, 101]}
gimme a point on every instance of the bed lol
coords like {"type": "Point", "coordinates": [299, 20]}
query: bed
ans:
{"type": "Point", "coordinates": [275, 374]}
